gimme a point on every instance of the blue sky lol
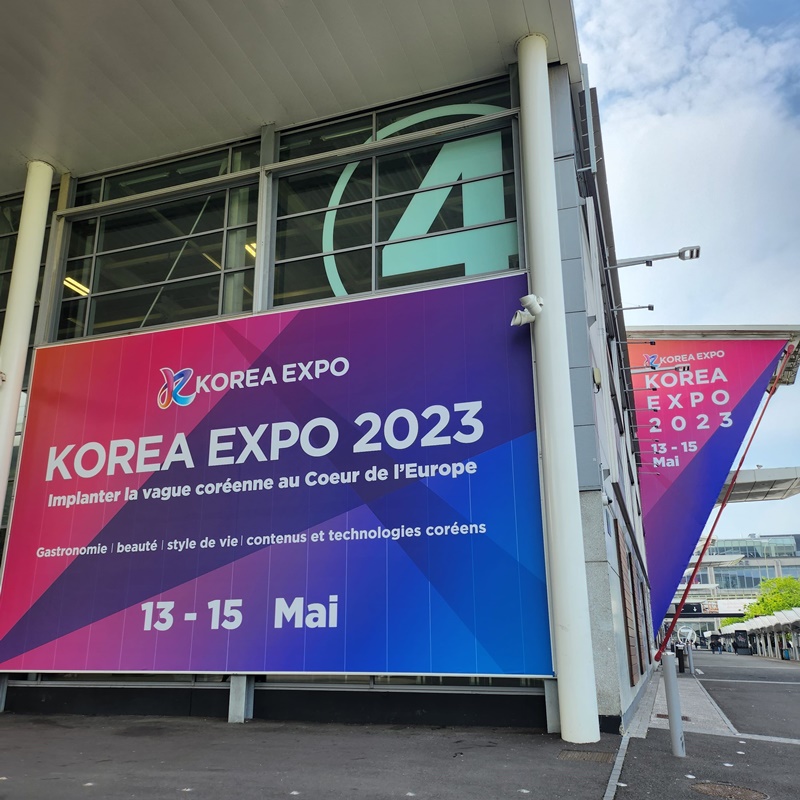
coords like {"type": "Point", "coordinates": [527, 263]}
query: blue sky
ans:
{"type": "Point", "coordinates": [755, 14]}
{"type": "Point", "coordinates": [700, 109]}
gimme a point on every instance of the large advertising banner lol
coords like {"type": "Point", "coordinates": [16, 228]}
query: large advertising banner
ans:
{"type": "Point", "coordinates": [349, 488]}
{"type": "Point", "coordinates": [695, 400]}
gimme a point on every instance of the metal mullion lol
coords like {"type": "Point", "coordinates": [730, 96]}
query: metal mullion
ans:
{"type": "Point", "coordinates": [226, 227]}
{"type": "Point", "coordinates": [88, 314]}
{"type": "Point", "coordinates": [394, 143]}
{"type": "Point", "coordinates": [374, 193]}
{"type": "Point", "coordinates": [479, 226]}
{"type": "Point", "coordinates": [154, 285]}
{"type": "Point", "coordinates": [264, 284]}
{"type": "Point", "coordinates": [518, 196]}
{"type": "Point", "coordinates": [374, 243]}
{"type": "Point", "coordinates": [262, 280]}
{"type": "Point", "coordinates": [157, 196]}
{"type": "Point", "coordinates": [459, 182]}
{"type": "Point", "coordinates": [182, 238]}
{"type": "Point", "coordinates": [323, 209]}
{"type": "Point", "coordinates": [320, 254]}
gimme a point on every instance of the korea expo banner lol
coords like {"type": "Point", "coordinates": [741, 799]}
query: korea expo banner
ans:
{"type": "Point", "coordinates": [350, 488]}
{"type": "Point", "coordinates": [695, 401]}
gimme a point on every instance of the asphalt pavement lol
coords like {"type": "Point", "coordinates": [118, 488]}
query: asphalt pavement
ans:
{"type": "Point", "coordinates": [742, 733]}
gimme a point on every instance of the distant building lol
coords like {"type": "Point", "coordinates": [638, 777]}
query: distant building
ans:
{"type": "Point", "coordinates": [731, 576]}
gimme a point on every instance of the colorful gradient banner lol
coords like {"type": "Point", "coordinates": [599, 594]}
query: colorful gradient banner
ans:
{"type": "Point", "coordinates": [695, 401]}
{"type": "Point", "coordinates": [351, 488]}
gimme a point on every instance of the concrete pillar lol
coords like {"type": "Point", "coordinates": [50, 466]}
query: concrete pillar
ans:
{"type": "Point", "coordinates": [240, 701]}
{"type": "Point", "coordinates": [19, 310]}
{"type": "Point", "coordinates": [551, 706]}
{"type": "Point", "coordinates": [577, 695]}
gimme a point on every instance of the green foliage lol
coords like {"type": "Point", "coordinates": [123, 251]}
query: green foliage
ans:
{"type": "Point", "coordinates": [775, 594]}
{"type": "Point", "coordinates": [730, 621]}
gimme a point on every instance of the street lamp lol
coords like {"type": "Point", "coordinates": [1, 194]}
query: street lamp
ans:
{"type": "Point", "coordinates": [684, 254]}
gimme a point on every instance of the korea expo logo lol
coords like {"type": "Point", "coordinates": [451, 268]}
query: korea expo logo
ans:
{"type": "Point", "coordinates": [172, 389]}
{"type": "Point", "coordinates": [480, 249]}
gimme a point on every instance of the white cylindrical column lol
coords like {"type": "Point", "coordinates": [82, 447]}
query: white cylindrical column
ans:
{"type": "Point", "coordinates": [577, 694]}
{"type": "Point", "coordinates": [19, 311]}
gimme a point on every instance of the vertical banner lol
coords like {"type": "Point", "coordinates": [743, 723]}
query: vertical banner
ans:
{"type": "Point", "coordinates": [695, 400]}
{"type": "Point", "coordinates": [349, 488]}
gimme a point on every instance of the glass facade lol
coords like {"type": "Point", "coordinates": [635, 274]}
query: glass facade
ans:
{"type": "Point", "coordinates": [446, 210]}
{"type": "Point", "coordinates": [161, 264]}
{"type": "Point", "coordinates": [440, 207]}
{"type": "Point", "coordinates": [742, 577]}
{"type": "Point", "coordinates": [763, 547]}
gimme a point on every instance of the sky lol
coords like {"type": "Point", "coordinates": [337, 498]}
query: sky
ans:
{"type": "Point", "coordinates": [700, 112]}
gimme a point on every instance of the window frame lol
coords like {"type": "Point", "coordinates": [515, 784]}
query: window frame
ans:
{"type": "Point", "coordinates": [266, 176]}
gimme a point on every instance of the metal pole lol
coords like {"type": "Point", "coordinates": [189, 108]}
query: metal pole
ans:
{"type": "Point", "coordinates": [690, 657]}
{"type": "Point", "coordinates": [673, 705]}
{"type": "Point", "coordinates": [19, 310]}
{"type": "Point", "coordinates": [577, 694]}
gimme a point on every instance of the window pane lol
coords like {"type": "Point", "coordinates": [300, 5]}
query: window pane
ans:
{"type": "Point", "coordinates": [8, 246]}
{"type": "Point", "coordinates": [441, 164]}
{"type": "Point", "coordinates": [6, 509]}
{"type": "Point", "coordinates": [88, 192]}
{"type": "Point", "coordinates": [302, 281]}
{"type": "Point", "coordinates": [26, 377]}
{"type": "Point", "coordinates": [71, 321]}
{"type": "Point", "coordinates": [160, 176]}
{"type": "Point", "coordinates": [246, 156]}
{"type": "Point", "coordinates": [165, 221]}
{"type": "Point", "coordinates": [392, 281]}
{"type": "Point", "coordinates": [157, 263]}
{"type": "Point", "coordinates": [237, 292]}
{"type": "Point", "coordinates": [10, 211]}
{"type": "Point", "coordinates": [156, 305]}
{"type": "Point", "coordinates": [309, 191]}
{"type": "Point", "coordinates": [78, 277]}
{"type": "Point", "coordinates": [451, 255]}
{"type": "Point", "coordinates": [302, 236]}
{"type": "Point", "coordinates": [439, 210]}
{"type": "Point", "coordinates": [326, 138]}
{"type": "Point", "coordinates": [439, 110]}
{"type": "Point", "coordinates": [243, 205]}
{"type": "Point", "coordinates": [241, 248]}
{"type": "Point", "coordinates": [81, 238]}
{"type": "Point", "coordinates": [5, 282]}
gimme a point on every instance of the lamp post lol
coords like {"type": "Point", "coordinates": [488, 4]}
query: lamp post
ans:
{"type": "Point", "coordinates": [684, 254]}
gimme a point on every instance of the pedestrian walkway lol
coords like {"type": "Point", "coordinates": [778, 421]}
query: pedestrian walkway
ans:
{"type": "Point", "coordinates": [699, 712]}
{"type": "Point", "coordinates": [722, 759]}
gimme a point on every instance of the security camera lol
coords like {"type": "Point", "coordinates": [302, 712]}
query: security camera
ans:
{"type": "Point", "coordinates": [531, 308]}
{"type": "Point", "coordinates": [532, 304]}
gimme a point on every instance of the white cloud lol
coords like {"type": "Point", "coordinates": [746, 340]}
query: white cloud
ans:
{"type": "Point", "coordinates": [702, 147]}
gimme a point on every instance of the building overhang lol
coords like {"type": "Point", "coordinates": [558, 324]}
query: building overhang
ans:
{"type": "Point", "coordinates": [763, 484]}
{"type": "Point", "coordinates": [92, 86]}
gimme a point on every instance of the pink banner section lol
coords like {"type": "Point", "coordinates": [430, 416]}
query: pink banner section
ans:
{"type": "Point", "coordinates": [695, 400]}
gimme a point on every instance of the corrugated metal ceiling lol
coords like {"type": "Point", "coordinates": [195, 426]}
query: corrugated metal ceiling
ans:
{"type": "Point", "coordinates": [92, 84]}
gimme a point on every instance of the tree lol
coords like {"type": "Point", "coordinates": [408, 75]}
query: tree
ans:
{"type": "Point", "coordinates": [775, 594]}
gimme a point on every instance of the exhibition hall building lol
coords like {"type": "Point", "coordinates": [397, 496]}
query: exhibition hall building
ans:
{"type": "Point", "coordinates": [316, 398]}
